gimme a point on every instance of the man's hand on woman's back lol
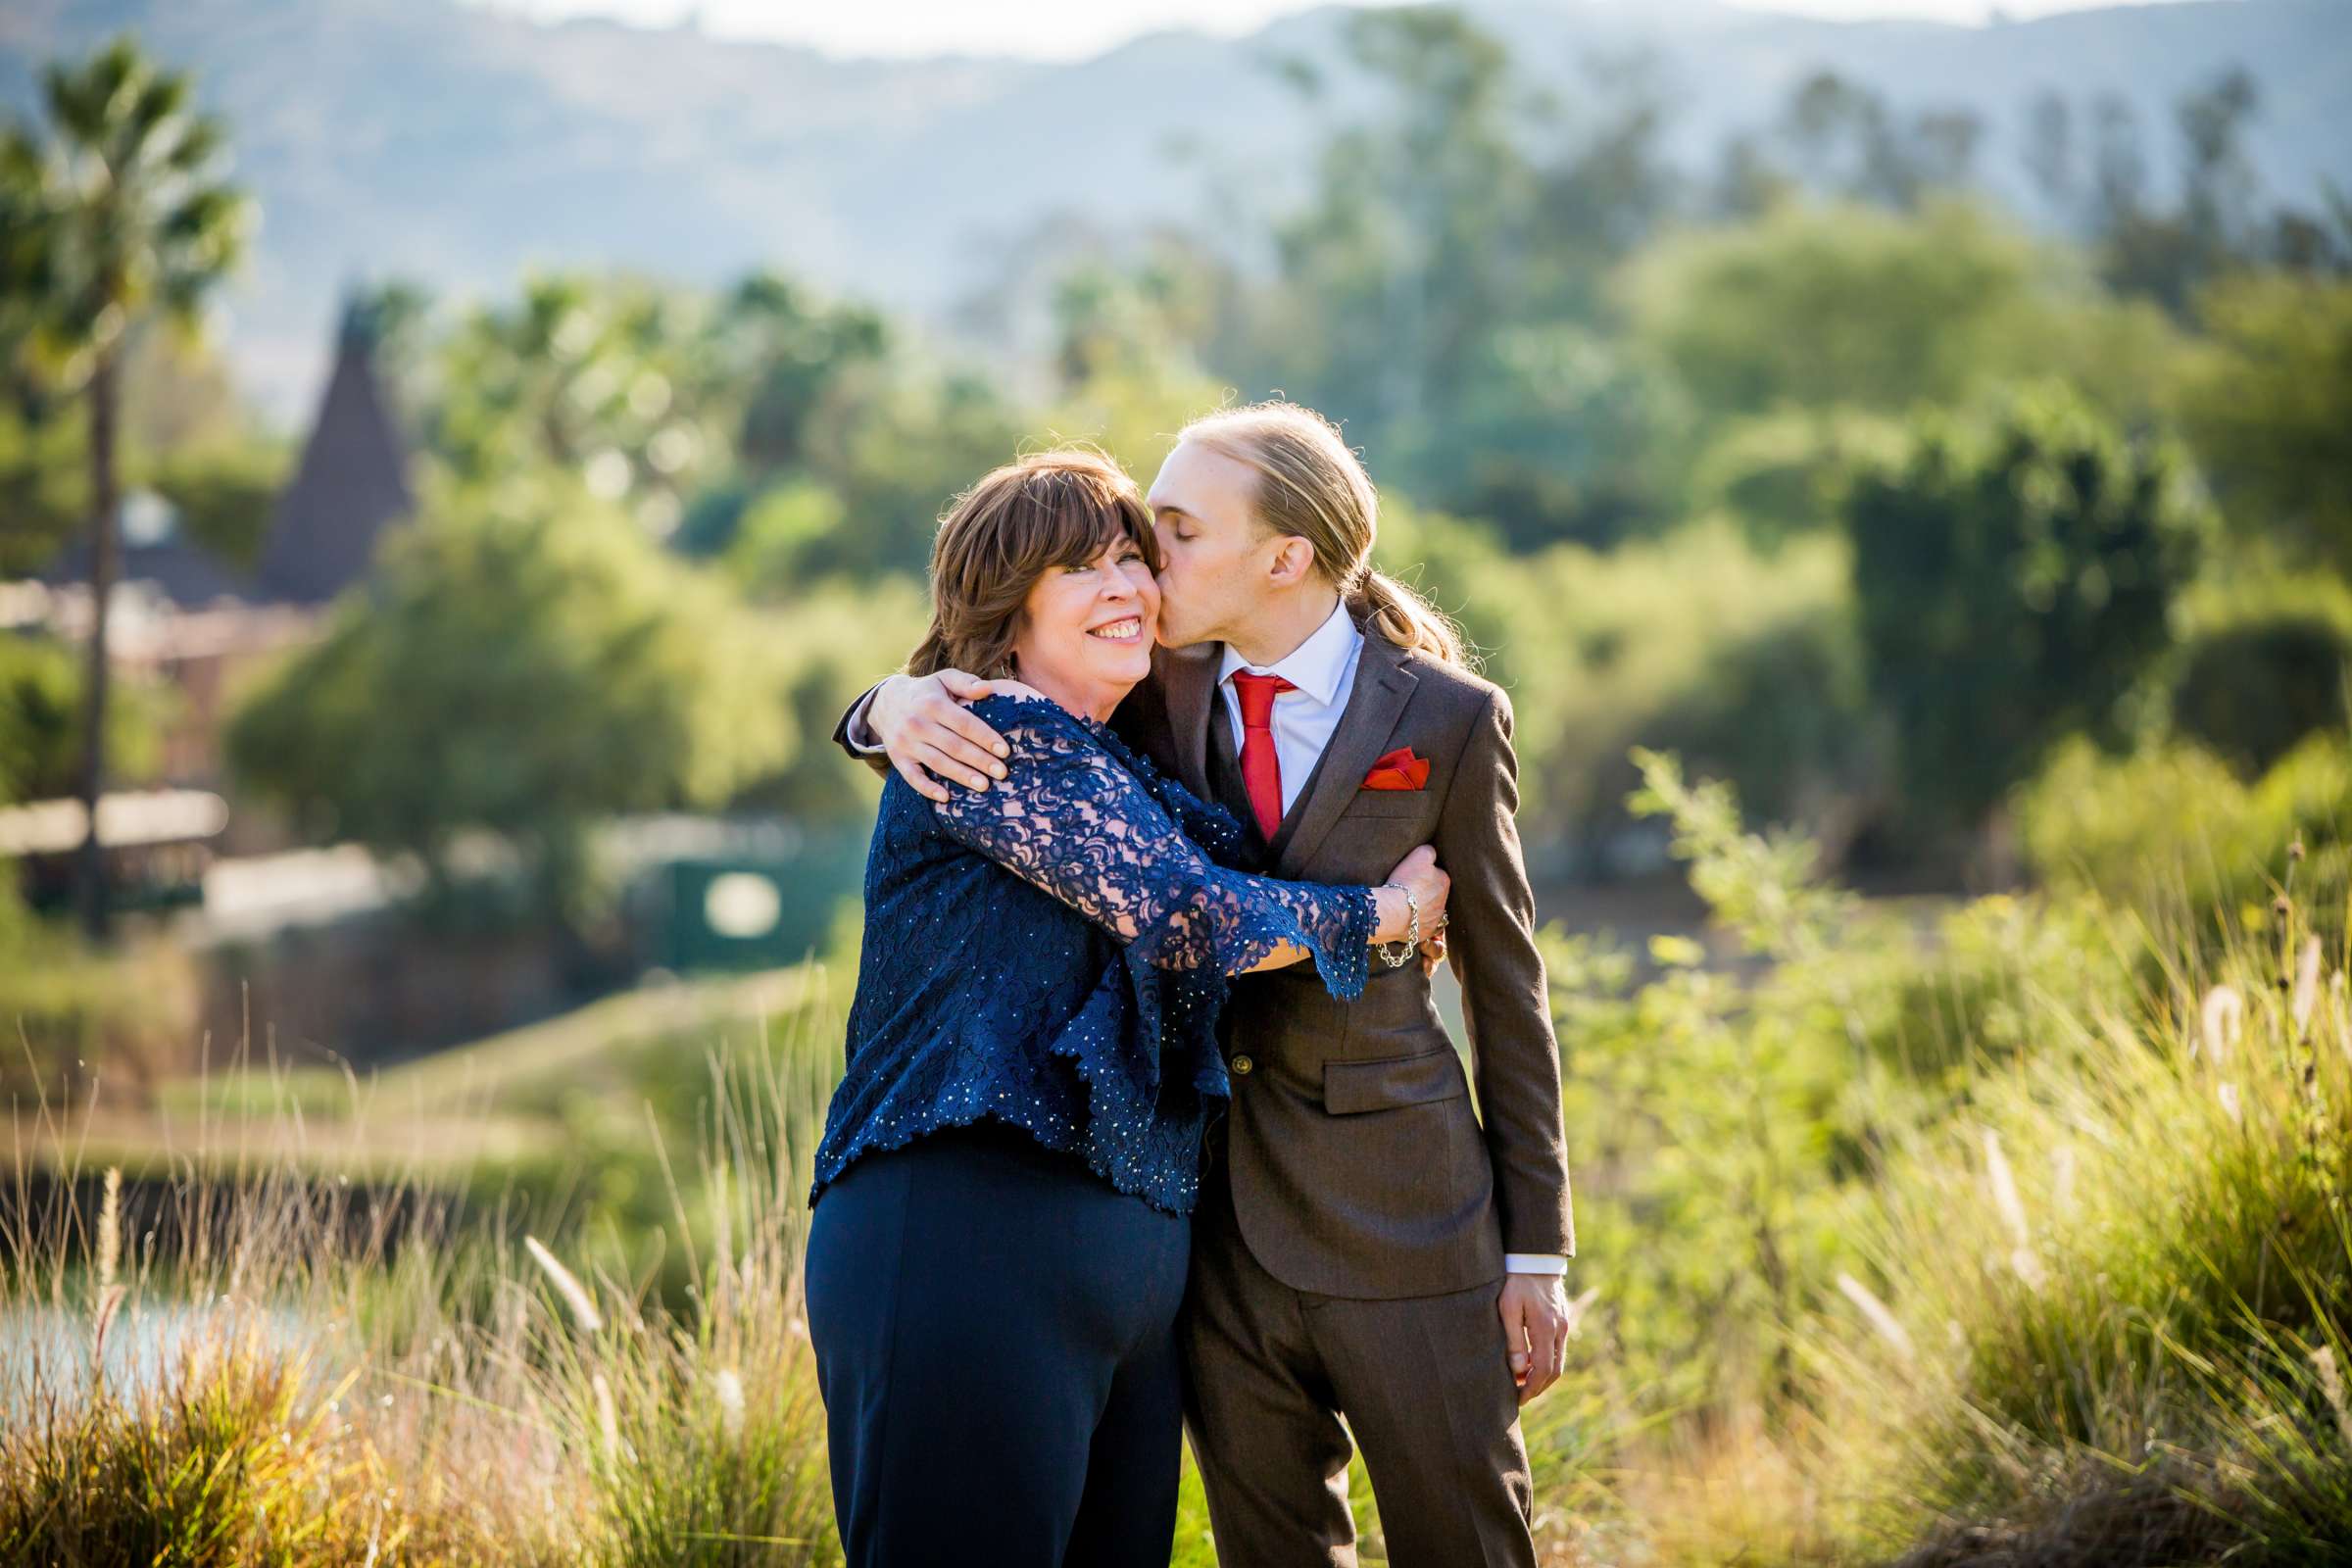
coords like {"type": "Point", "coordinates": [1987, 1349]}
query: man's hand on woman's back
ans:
{"type": "Point", "coordinates": [929, 735]}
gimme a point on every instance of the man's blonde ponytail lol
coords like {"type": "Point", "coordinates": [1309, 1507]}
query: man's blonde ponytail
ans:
{"type": "Point", "coordinates": [1409, 620]}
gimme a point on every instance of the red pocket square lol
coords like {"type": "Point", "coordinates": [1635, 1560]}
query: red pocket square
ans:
{"type": "Point", "coordinates": [1400, 770]}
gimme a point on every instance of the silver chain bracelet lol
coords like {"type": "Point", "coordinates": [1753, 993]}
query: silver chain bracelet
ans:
{"type": "Point", "coordinates": [1412, 936]}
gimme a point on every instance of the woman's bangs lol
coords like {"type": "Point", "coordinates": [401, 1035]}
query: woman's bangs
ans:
{"type": "Point", "coordinates": [1082, 526]}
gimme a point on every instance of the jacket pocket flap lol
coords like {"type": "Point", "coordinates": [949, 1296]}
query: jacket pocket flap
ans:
{"type": "Point", "coordinates": [1391, 1081]}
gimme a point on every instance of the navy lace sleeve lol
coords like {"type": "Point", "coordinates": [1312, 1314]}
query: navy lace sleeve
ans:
{"type": "Point", "coordinates": [1070, 820]}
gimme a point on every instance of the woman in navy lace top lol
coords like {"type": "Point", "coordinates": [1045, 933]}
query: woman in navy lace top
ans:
{"type": "Point", "coordinates": [999, 1245]}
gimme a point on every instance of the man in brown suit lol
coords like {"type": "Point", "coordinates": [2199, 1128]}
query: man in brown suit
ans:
{"type": "Point", "coordinates": [1367, 1245]}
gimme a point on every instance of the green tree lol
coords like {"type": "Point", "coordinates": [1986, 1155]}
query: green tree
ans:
{"type": "Point", "coordinates": [688, 409]}
{"type": "Point", "coordinates": [2013, 580]}
{"type": "Point", "coordinates": [120, 211]}
{"type": "Point", "coordinates": [2221, 221]}
{"type": "Point", "coordinates": [2251, 692]}
{"type": "Point", "coordinates": [397, 316]}
{"type": "Point", "coordinates": [1126, 378]}
{"type": "Point", "coordinates": [181, 433]}
{"type": "Point", "coordinates": [1823, 306]}
{"type": "Point", "coordinates": [44, 484]}
{"type": "Point", "coordinates": [526, 662]}
{"type": "Point", "coordinates": [849, 440]}
{"type": "Point", "coordinates": [1413, 235]}
{"type": "Point", "coordinates": [224, 493]}
{"type": "Point", "coordinates": [2270, 409]}
{"type": "Point", "coordinates": [612, 378]}
{"type": "Point", "coordinates": [786, 350]}
{"type": "Point", "coordinates": [781, 531]}
{"type": "Point", "coordinates": [1845, 139]}
{"type": "Point", "coordinates": [1892, 310]}
{"type": "Point", "coordinates": [2168, 253]}
{"type": "Point", "coordinates": [895, 441]}
{"type": "Point", "coordinates": [40, 729]}
{"type": "Point", "coordinates": [1442, 291]}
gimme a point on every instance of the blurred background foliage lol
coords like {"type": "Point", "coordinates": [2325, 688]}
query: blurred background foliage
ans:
{"type": "Point", "coordinates": [1832, 476]}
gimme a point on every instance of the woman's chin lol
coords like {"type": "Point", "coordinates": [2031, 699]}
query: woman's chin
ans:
{"type": "Point", "coordinates": [1125, 664]}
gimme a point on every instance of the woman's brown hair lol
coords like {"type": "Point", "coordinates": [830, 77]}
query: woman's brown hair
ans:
{"type": "Point", "coordinates": [1050, 509]}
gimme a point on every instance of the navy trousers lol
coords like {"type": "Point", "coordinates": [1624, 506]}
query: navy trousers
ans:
{"type": "Point", "coordinates": [995, 1329]}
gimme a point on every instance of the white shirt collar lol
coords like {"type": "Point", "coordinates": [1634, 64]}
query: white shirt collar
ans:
{"type": "Point", "coordinates": [1316, 664]}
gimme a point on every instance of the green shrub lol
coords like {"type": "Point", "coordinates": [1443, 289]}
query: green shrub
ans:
{"type": "Point", "coordinates": [2108, 1309]}
{"type": "Point", "coordinates": [1741, 1105]}
{"type": "Point", "coordinates": [2170, 825]}
{"type": "Point", "coordinates": [2264, 658]}
{"type": "Point", "coordinates": [2248, 693]}
{"type": "Point", "coordinates": [40, 723]}
{"type": "Point", "coordinates": [1788, 472]}
{"type": "Point", "coordinates": [1603, 649]}
{"type": "Point", "coordinates": [2014, 578]}
{"type": "Point", "coordinates": [526, 662]}
{"type": "Point", "coordinates": [232, 1457]}
{"type": "Point", "coordinates": [1984, 1239]}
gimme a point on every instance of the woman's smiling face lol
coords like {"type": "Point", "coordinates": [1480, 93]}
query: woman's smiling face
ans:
{"type": "Point", "coordinates": [1087, 630]}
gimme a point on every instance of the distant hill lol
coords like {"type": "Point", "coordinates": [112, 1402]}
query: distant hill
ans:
{"type": "Point", "coordinates": [459, 145]}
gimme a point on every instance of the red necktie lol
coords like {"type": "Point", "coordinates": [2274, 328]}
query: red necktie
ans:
{"type": "Point", "coordinates": [1262, 769]}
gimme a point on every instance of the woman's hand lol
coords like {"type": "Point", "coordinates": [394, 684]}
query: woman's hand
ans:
{"type": "Point", "coordinates": [1433, 949]}
{"type": "Point", "coordinates": [1419, 872]}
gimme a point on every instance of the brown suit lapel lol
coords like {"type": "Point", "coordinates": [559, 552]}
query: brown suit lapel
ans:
{"type": "Point", "coordinates": [1188, 677]}
{"type": "Point", "coordinates": [1383, 684]}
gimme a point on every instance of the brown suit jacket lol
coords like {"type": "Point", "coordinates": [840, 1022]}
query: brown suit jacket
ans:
{"type": "Point", "coordinates": [1357, 1165]}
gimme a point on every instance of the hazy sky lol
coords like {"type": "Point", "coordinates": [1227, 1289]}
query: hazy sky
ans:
{"type": "Point", "coordinates": [1069, 29]}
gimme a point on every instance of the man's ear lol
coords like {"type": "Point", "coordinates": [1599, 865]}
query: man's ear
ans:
{"type": "Point", "coordinates": [1293, 557]}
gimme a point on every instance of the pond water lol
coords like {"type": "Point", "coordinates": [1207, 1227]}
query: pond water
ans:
{"type": "Point", "coordinates": [47, 1348]}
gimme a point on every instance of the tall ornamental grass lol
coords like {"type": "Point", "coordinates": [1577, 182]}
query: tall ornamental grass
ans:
{"type": "Point", "coordinates": [2107, 1316]}
{"type": "Point", "coordinates": [274, 1366]}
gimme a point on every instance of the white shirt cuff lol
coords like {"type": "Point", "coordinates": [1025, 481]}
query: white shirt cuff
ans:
{"type": "Point", "coordinates": [860, 737]}
{"type": "Point", "coordinates": [1534, 1264]}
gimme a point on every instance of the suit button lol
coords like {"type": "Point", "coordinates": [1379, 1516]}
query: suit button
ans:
{"type": "Point", "coordinates": [1242, 1066]}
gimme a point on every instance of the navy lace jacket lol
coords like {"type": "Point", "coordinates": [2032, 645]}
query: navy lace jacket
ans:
{"type": "Point", "coordinates": [1053, 951]}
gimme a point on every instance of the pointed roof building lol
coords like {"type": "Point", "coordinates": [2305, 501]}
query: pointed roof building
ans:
{"type": "Point", "coordinates": [352, 483]}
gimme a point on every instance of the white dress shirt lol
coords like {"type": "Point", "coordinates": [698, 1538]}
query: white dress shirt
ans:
{"type": "Point", "coordinates": [1323, 669]}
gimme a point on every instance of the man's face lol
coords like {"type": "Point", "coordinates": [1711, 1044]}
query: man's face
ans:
{"type": "Point", "coordinates": [1215, 554]}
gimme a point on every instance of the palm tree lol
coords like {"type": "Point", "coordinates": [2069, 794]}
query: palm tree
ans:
{"type": "Point", "coordinates": [118, 214]}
